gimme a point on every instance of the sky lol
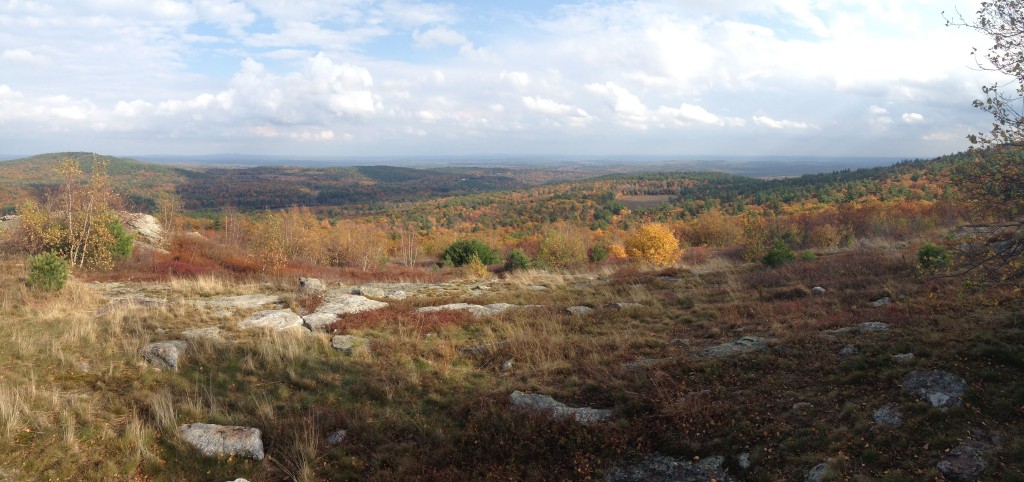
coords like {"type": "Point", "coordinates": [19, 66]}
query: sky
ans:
{"type": "Point", "coordinates": [350, 78]}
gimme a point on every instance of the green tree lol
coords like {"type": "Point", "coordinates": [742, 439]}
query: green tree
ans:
{"type": "Point", "coordinates": [47, 272]}
{"type": "Point", "coordinates": [461, 252]}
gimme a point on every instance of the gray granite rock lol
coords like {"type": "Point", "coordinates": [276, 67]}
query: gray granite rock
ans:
{"type": "Point", "coordinates": [536, 402]}
{"type": "Point", "coordinates": [965, 462]}
{"type": "Point", "coordinates": [165, 354]}
{"type": "Point", "coordinates": [743, 345]}
{"type": "Point", "coordinates": [347, 344]}
{"type": "Point", "coordinates": [336, 437]}
{"type": "Point", "coordinates": [338, 304]}
{"type": "Point", "coordinates": [902, 357]}
{"type": "Point", "coordinates": [818, 290]}
{"type": "Point", "coordinates": [939, 388]}
{"type": "Point", "coordinates": [817, 473]}
{"type": "Point", "coordinates": [849, 350]}
{"type": "Point", "coordinates": [662, 468]}
{"type": "Point", "coordinates": [272, 319]}
{"type": "Point", "coordinates": [311, 286]}
{"type": "Point", "coordinates": [888, 415]}
{"type": "Point", "coordinates": [579, 310]}
{"type": "Point", "coordinates": [219, 440]}
{"type": "Point", "coordinates": [881, 302]}
{"type": "Point", "coordinates": [477, 310]}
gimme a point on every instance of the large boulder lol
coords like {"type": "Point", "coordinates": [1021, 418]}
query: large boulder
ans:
{"type": "Point", "coordinates": [965, 462]}
{"type": "Point", "coordinates": [939, 388]}
{"type": "Point", "coordinates": [220, 440]}
{"type": "Point", "coordinates": [165, 354]}
{"type": "Point", "coordinates": [272, 319]}
{"type": "Point", "coordinates": [339, 304]}
{"type": "Point", "coordinates": [145, 227]}
{"type": "Point", "coordinates": [535, 402]}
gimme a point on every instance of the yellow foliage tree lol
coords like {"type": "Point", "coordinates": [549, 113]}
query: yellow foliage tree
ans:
{"type": "Point", "coordinates": [654, 245]}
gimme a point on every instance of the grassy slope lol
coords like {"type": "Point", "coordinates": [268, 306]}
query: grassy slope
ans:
{"type": "Point", "coordinates": [415, 407]}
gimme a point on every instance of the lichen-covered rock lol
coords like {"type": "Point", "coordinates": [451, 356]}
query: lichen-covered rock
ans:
{"type": "Point", "coordinates": [817, 473]}
{"type": "Point", "coordinates": [336, 437]}
{"type": "Point", "coordinates": [536, 402]}
{"type": "Point", "coordinates": [662, 468]}
{"type": "Point", "coordinates": [873, 326]}
{"type": "Point", "coordinates": [220, 440]}
{"type": "Point", "coordinates": [902, 357]}
{"type": "Point", "coordinates": [743, 345]}
{"type": "Point", "coordinates": [272, 319]}
{"type": "Point", "coordinates": [965, 462]}
{"type": "Point", "coordinates": [939, 388]}
{"type": "Point", "coordinates": [311, 286]}
{"type": "Point", "coordinates": [881, 302]}
{"type": "Point", "coordinates": [338, 304]}
{"type": "Point", "coordinates": [145, 226]}
{"type": "Point", "coordinates": [477, 310]}
{"type": "Point", "coordinates": [347, 344]}
{"type": "Point", "coordinates": [579, 310]}
{"type": "Point", "coordinates": [165, 354]}
{"type": "Point", "coordinates": [849, 350]}
{"type": "Point", "coordinates": [888, 415]}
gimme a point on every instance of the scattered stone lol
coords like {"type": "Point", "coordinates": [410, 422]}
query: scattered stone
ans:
{"type": "Point", "coordinates": [273, 319]}
{"type": "Point", "coordinates": [662, 468]}
{"type": "Point", "coordinates": [164, 355]}
{"type": "Point", "coordinates": [219, 440]}
{"type": "Point", "coordinates": [536, 402]}
{"type": "Point", "coordinates": [623, 306]}
{"type": "Point", "coordinates": [537, 288]}
{"type": "Point", "coordinates": [348, 344]}
{"type": "Point", "coordinates": [849, 350]}
{"type": "Point", "coordinates": [965, 462]}
{"type": "Point", "coordinates": [508, 365]}
{"type": "Point", "coordinates": [339, 304]}
{"type": "Point", "coordinates": [211, 333]}
{"type": "Point", "coordinates": [902, 357]}
{"type": "Point", "coordinates": [818, 290]}
{"type": "Point", "coordinates": [888, 415]}
{"type": "Point", "coordinates": [881, 302]}
{"type": "Point", "coordinates": [311, 286]}
{"type": "Point", "coordinates": [743, 460]}
{"type": "Point", "coordinates": [239, 480]}
{"type": "Point", "coordinates": [800, 406]}
{"type": "Point", "coordinates": [873, 326]}
{"type": "Point", "coordinates": [743, 345]}
{"type": "Point", "coordinates": [476, 310]}
{"type": "Point", "coordinates": [817, 473]}
{"type": "Point", "coordinates": [939, 388]}
{"type": "Point", "coordinates": [336, 437]}
{"type": "Point", "coordinates": [579, 310]}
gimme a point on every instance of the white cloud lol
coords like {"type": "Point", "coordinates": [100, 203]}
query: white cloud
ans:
{"type": "Point", "coordinates": [912, 117]}
{"type": "Point", "coordinates": [546, 106]}
{"type": "Point", "coordinates": [765, 121]}
{"type": "Point", "coordinates": [19, 55]}
{"type": "Point", "coordinates": [877, 110]}
{"type": "Point", "coordinates": [518, 79]}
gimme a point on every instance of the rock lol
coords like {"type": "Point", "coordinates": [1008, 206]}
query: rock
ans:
{"type": "Point", "coordinates": [239, 302]}
{"type": "Point", "coordinates": [817, 290]}
{"type": "Point", "coordinates": [537, 288]}
{"type": "Point", "coordinates": [662, 468]}
{"type": "Point", "coordinates": [536, 402]}
{"type": "Point", "coordinates": [817, 473]}
{"type": "Point", "coordinates": [579, 310]}
{"type": "Point", "coordinates": [348, 344]}
{"type": "Point", "coordinates": [888, 415]}
{"type": "Point", "coordinates": [9, 222]}
{"type": "Point", "coordinates": [311, 286]}
{"type": "Point", "coordinates": [164, 355]}
{"type": "Point", "coordinates": [881, 302]}
{"type": "Point", "coordinates": [939, 388]}
{"type": "Point", "coordinates": [746, 344]}
{"type": "Point", "coordinates": [273, 319]}
{"type": "Point", "coordinates": [508, 365]}
{"type": "Point", "coordinates": [476, 310]}
{"type": "Point", "coordinates": [339, 304]}
{"type": "Point", "coordinates": [965, 462]}
{"type": "Point", "coordinates": [146, 227]}
{"type": "Point", "coordinates": [902, 357]}
{"type": "Point", "coordinates": [801, 406]}
{"type": "Point", "coordinates": [219, 440]}
{"type": "Point", "coordinates": [482, 349]}
{"type": "Point", "coordinates": [743, 460]}
{"type": "Point", "coordinates": [336, 437]}
{"type": "Point", "coordinates": [623, 306]}
{"type": "Point", "coordinates": [873, 326]}
{"type": "Point", "coordinates": [239, 480]}
{"type": "Point", "coordinates": [849, 350]}
{"type": "Point", "coordinates": [680, 342]}
{"type": "Point", "coordinates": [645, 363]}
{"type": "Point", "coordinates": [711, 464]}
{"type": "Point", "coordinates": [211, 333]}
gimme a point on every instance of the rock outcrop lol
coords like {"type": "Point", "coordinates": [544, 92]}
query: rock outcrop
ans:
{"type": "Point", "coordinates": [965, 462]}
{"type": "Point", "coordinates": [477, 310]}
{"type": "Point", "coordinates": [535, 402]}
{"type": "Point", "coordinates": [165, 354]}
{"type": "Point", "coordinates": [220, 440]}
{"type": "Point", "coordinates": [272, 319]}
{"type": "Point", "coordinates": [338, 304]}
{"type": "Point", "coordinates": [144, 226]}
{"type": "Point", "coordinates": [743, 345]}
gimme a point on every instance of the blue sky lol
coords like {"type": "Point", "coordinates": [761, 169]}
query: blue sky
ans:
{"type": "Point", "coordinates": [351, 78]}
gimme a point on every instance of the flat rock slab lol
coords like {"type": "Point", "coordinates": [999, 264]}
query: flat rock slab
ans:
{"type": "Point", "coordinates": [272, 319]}
{"type": "Point", "coordinates": [662, 468]}
{"type": "Point", "coordinates": [579, 310]}
{"type": "Point", "coordinates": [237, 302]}
{"type": "Point", "coordinates": [391, 292]}
{"type": "Point", "coordinates": [311, 286]}
{"type": "Point", "coordinates": [888, 415]}
{"type": "Point", "coordinates": [939, 388]}
{"type": "Point", "coordinates": [477, 310]}
{"type": "Point", "coordinates": [881, 302]}
{"type": "Point", "coordinates": [165, 354]}
{"type": "Point", "coordinates": [743, 345]}
{"type": "Point", "coordinates": [336, 304]}
{"type": "Point", "coordinates": [211, 333]}
{"type": "Point", "coordinates": [220, 440]}
{"type": "Point", "coordinates": [347, 344]}
{"type": "Point", "coordinates": [535, 402]}
{"type": "Point", "coordinates": [965, 462]}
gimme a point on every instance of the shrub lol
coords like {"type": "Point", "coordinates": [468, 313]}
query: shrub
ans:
{"type": "Point", "coordinates": [598, 253]}
{"type": "Point", "coordinates": [47, 272]}
{"type": "Point", "coordinates": [807, 256]}
{"type": "Point", "coordinates": [123, 243]}
{"type": "Point", "coordinates": [563, 247]}
{"type": "Point", "coordinates": [653, 244]}
{"type": "Point", "coordinates": [779, 255]}
{"type": "Point", "coordinates": [932, 257]}
{"type": "Point", "coordinates": [461, 252]}
{"type": "Point", "coordinates": [476, 268]}
{"type": "Point", "coordinates": [517, 260]}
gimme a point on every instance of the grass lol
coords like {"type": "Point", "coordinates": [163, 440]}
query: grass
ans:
{"type": "Point", "coordinates": [78, 402]}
